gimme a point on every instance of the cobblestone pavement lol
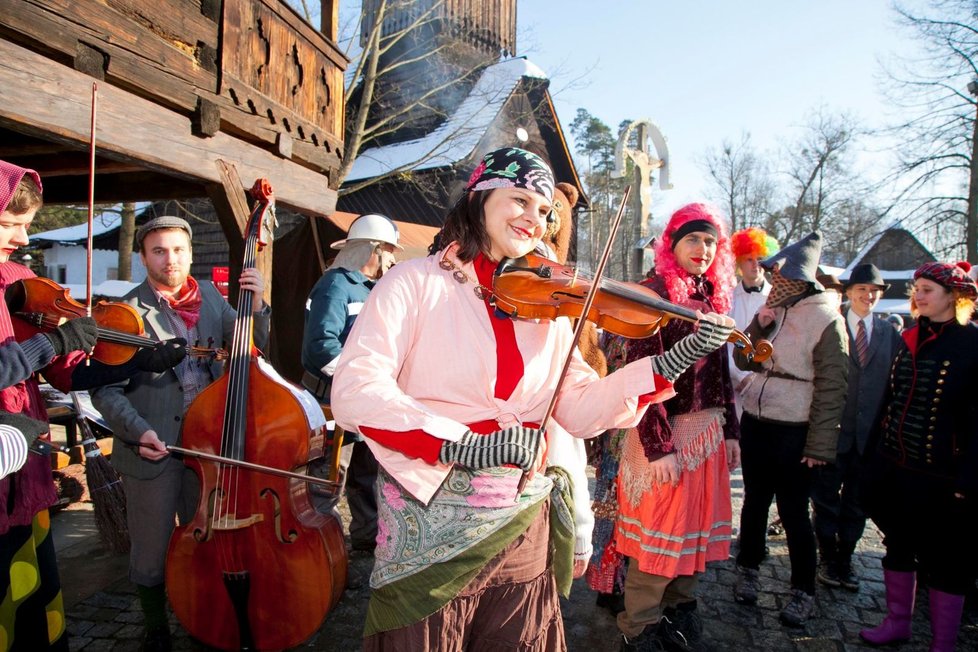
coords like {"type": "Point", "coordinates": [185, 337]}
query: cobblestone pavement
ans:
{"type": "Point", "coordinates": [103, 612]}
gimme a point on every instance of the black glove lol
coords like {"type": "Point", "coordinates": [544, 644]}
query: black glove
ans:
{"type": "Point", "coordinates": [708, 338]}
{"type": "Point", "coordinates": [31, 428]}
{"type": "Point", "coordinates": [163, 356]}
{"type": "Point", "coordinates": [516, 445]}
{"type": "Point", "coordinates": [78, 334]}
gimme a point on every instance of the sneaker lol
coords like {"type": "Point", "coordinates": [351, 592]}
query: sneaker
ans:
{"type": "Point", "coordinates": [748, 585]}
{"type": "Point", "coordinates": [647, 641]}
{"type": "Point", "coordinates": [848, 579]}
{"type": "Point", "coordinates": [799, 609]}
{"type": "Point", "coordinates": [828, 574]}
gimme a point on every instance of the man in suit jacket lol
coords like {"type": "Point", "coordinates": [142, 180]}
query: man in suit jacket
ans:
{"type": "Point", "coordinates": [146, 412]}
{"type": "Point", "coordinates": [873, 343]}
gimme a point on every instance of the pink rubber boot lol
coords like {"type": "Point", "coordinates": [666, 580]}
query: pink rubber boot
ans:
{"type": "Point", "coordinates": [945, 619]}
{"type": "Point", "coordinates": [901, 589]}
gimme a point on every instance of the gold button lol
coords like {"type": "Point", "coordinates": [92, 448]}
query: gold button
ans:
{"type": "Point", "coordinates": [933, 418]}
{"type": "Point", "coordinates": [930, 438]}
{"type": "Point", "coordinates": [947, 363]}
{"type": "Point", "coordinates": [938, 391]}
{"type": "Point", "coordinates": [930, 446]}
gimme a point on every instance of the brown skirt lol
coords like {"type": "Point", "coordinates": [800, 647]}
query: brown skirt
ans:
{"type": "Point", "coordinates": [511, 604]}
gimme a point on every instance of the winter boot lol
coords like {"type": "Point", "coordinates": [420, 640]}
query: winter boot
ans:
{"type": "Point", "coordinates": [901, 589]}
{"type": "Point", "coordinates": [828, 555]}
{"type": "Point", "coordinates": [843, 566]}
{"type": "Point", "coordinates": [945, 619]}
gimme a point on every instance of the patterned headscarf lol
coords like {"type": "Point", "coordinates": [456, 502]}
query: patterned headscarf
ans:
{"type": "Point", "coordinates": [512, 167]}
{"type": "Point", "coordinates": [952, 277]}
{"type": "Point", "coordinates": [10, 176]}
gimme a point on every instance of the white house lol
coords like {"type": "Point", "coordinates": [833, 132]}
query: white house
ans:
{"type": "Point", "coordinates": [66, 261]}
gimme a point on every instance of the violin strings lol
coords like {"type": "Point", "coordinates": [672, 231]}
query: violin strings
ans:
{"type": "Point", "coordinates": [626, 291]}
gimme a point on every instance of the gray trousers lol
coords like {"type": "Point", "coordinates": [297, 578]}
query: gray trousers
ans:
{"type": "Point", "coordinates": [151, 509]}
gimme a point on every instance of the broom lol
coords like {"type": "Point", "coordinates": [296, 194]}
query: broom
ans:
{"type": "Point", "coordinates": [104, 488]}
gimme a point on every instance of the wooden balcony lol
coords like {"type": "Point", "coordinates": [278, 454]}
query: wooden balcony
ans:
{"type": "Point", "coordinates": [183, 84]}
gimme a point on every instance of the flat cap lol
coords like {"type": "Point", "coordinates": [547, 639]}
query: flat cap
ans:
{"type": "Point", "coordinates": [162, 222]}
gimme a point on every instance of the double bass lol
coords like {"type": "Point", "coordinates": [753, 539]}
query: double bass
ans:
{"type": "Point", "coordinates": [257, 567]}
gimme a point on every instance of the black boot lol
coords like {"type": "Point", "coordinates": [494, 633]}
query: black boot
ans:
{"type": "Point", "coordinates": [152, 599]}
{"type": "Point", "coordinates": [843, 566]}
{"type": "Point", "coordinates": [828, 555]}
{"type": "Point", "coordinates": [613, 602]}
{"type": "Point", "coordinates": [647, 641]}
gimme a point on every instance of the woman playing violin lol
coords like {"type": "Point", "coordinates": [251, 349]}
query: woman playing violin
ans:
{"type": "Point", "coordinates": [32, 614]}
{"type": "Point", "coordinates": [449, 395]}
{"type": "Point", "coordinates": [674, 485]}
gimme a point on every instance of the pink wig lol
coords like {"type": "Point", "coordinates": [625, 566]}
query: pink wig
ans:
{"type": "Point", "coordinates": [678, 281]}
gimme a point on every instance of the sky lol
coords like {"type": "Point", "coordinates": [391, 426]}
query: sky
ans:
{"type": "Point", "coordinates": [709, 70]}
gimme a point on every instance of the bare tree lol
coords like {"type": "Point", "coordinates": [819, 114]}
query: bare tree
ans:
{"type": "Point", "coordinates": [741, 182]}
{"type": "Point", "coordinates": [403, 81]}
{"type": "Point", "coordinates": [936, 165]}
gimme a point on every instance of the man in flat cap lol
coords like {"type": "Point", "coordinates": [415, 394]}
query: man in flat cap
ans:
{"type": "Point", "coordinates": [146, 412]}
{"type": "Point", "coordinates": [873, 343]}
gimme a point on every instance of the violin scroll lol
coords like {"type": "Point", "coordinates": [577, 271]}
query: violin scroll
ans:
{"type": "Point", "coordinates": [754, 352]}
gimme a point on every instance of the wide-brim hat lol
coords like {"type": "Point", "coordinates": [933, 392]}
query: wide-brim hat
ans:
{"type": "Point", "coordinates": [868, 274]}
{"type": "Point", "coordinates": [830, 282]}
{"type": "Point", "coordinates": [798, 261]}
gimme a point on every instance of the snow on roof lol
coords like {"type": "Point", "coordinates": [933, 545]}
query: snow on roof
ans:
{"type": "Point", "coordinates": [458, 136]}
{"type": "Point", "coordinates": [103, 223]}
{"type": "Point", "coordinates": [890, 306]}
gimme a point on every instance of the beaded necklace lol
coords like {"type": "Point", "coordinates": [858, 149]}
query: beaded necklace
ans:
{"type": "Point", "coordinates": [462, 278]}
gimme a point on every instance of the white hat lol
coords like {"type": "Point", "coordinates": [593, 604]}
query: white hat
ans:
{"type": "Point", "coordinates": [371, 227]}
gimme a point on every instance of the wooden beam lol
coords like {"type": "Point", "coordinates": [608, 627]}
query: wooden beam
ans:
{"type": "Point", "coordinates": [45, 99]}
{"type": "Point", "coordinates": [113, 188]}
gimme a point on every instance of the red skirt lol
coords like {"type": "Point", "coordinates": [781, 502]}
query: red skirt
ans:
{"type": "Point", "coordinates": [676, 530]}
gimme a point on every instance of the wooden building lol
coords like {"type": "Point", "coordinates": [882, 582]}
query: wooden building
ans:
{"type": "Point", "coordinates": [897, 253]}
{"type": "Point", "coordinates": [196, 98]}
{"type": "Point", "coordinates": [455, 90]}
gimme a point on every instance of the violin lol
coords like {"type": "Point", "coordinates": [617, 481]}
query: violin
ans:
{"type": "Point", "coordinates": [534, 287]}
{"type": "Point", "coordinates": [40, 304]}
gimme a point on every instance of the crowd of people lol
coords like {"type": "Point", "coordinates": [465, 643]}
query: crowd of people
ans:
{"type": "Point", "coordinates": [464, 459]}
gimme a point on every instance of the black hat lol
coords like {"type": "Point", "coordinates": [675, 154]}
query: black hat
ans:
{"type": "Point", "coordinates": [799, 261]}
{"type": "Point", "coordinates": [866, 273]}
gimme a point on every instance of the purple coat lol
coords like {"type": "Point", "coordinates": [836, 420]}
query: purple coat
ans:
{"type": "Point", "coordinates": [704, 385]}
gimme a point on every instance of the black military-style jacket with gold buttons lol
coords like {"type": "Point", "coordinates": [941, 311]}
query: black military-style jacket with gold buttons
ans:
{"type": "Point", "coordinates": [930, 422]}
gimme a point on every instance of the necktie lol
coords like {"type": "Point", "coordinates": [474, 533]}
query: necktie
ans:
{"type": "Point", "coordinates": [862, 344]}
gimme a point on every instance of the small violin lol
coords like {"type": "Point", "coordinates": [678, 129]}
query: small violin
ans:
{"type": "Point", "coordinates": [534, 287]}
{"type": "Point", "coordinates": [40, 304]}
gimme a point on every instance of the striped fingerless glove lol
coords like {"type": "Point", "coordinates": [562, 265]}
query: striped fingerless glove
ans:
{"type": "Point", "coordinates": [516, 445]}
{"type": "Point", "coordinates": [707, 338]}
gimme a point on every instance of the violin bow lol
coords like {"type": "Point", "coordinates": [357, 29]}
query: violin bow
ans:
{"type": "Point", "coordinates": [251, 466]}
{"type": "Point", "coordinates": [579, 327]}
{"type": "Point", "coordinates": [91, 202]}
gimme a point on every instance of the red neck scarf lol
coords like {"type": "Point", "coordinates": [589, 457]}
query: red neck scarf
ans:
{"type": "Point", "coordinates": [187, 304]}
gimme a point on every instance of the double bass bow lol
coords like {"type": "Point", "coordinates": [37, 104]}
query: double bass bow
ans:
{"type": "Point", "coordinates": [257, 567]}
